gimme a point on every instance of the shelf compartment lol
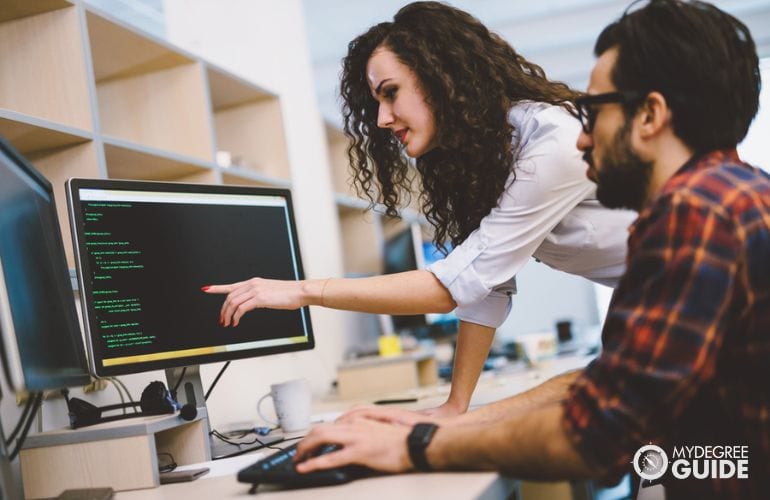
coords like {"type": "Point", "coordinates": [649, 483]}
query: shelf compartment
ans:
{"type": "Point", "coordinates": [58, 165]}
{"type": "Point", "coordinates": [337, 144]}
{"type": "Point", "coordinates": [132, 161]}
{"type": "Point", "coordinates": [10, 11]}
{"type": "Point", "coordinates": [248, 124]}
{"type": "Point", "coordinates": [362, 241]}
{"type": "Point", "coordinates": [232, 176]}
{"type": "Point", "coordinates": [42, 64]}
{"type": "Point", "coordinates": [148, 92]}
{"type": "Point", "coordinates": [29, 134]}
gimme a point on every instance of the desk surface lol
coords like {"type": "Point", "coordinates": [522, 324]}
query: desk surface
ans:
{"type": "Point", "coordinates": [221, 482]}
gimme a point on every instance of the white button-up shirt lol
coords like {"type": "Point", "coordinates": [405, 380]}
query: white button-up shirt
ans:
{"type": "Point", "coordinates": [549, 211]}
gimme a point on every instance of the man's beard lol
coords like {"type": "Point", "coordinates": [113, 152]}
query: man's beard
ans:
{"type": "Point", "coordinates": [624, 178]}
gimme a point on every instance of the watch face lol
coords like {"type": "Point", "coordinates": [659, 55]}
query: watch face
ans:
{"type": "Point", "coordinates": [650, 462]}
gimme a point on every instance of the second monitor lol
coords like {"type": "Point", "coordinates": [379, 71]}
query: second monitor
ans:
{"type": "Point", "coordinates": [407, 250]}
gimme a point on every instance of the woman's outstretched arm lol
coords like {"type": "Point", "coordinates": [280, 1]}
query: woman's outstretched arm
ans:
{"type": "Point", "coordinates": [412, 292]}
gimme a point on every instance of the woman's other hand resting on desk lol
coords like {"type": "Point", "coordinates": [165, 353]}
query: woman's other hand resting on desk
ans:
{"type": "Point", "coordinates": [395, 416]}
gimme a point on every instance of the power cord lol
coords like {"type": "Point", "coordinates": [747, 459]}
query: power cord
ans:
{"type": "Point", "coordinates": [22, 419]}
{"type": "Point", "coordinates": [227, 440]}
{"type": "Point", "coordinates": [169, 466]}
{"type": "Point", "coordinates": [120, 393]}
{"type": "Point", "coordinates": [216, 379]}
{"type": "Point", "coordinates": [128, 393]}
{"type": "Point", "coordinates": [38, 399]}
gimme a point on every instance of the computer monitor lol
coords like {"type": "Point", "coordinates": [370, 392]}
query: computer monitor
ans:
{"type": "Point", "coordinates": [42, 347]}
{"type": "Point", "coordinates": [406, 251]}
{"type": "Point", "coordinates": [400, 255]}
{"type": "Point", "coordinates": [431, 254]}
{"type": "Point", "coordinates": [145, 249]}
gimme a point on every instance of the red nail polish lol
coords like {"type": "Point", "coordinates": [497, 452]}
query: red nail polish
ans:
{"type": "Point", "coordinates": [204, 288]}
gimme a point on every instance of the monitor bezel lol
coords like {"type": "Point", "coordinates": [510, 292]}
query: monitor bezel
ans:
{"type": "Point", "coordinates": [77, 227]}
{"type": "Point", "coordinates": [9, 350]}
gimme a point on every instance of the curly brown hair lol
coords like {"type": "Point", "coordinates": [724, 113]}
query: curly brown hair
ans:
{"type": "Point", "coordinates": [471, 78]}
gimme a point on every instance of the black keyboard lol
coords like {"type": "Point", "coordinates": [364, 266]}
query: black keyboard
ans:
{"type": "Point", "coordinates": [278, 469]}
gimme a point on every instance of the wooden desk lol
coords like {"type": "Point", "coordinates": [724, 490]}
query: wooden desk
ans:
{"type": "Point", "coordinates": [221, 481]}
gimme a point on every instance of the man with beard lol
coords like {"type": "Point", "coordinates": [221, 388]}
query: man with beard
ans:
{"type": "Point", "coordinates": [686, 343]}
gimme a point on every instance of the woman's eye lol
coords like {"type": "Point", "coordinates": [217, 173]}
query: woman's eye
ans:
{"type": "Point", "coordinates": [389, 93]}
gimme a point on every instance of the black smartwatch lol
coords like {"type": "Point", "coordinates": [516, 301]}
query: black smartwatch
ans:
{"type": "Point", "coordinates": [417, 442]}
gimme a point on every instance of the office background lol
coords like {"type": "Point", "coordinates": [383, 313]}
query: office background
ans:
{"type": "Point", "coordinates": [292, 49]}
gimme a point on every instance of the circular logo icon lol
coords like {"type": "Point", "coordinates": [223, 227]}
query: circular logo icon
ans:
{"type": "Point", "coordinates": [650, 462]}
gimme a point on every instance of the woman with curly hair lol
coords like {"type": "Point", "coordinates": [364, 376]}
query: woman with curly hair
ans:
{"type": "Point", "coordinates": [493, 141]}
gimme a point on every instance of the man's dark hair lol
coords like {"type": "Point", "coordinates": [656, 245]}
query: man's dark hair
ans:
{"type": "Point", "coordinates": [700, 58]}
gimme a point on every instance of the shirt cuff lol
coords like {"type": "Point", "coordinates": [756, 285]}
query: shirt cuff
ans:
{"type": "Point", "coordinates": [457, 274]}
{"type": "Point", "coordinates": [490, 311]}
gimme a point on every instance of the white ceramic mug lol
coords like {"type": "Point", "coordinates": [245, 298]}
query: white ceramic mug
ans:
{"type": "Point", "coordinates": [292, 401]}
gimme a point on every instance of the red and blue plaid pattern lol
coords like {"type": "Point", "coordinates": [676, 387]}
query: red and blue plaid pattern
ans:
{"type": "Point", "coordinates": [686, 343]}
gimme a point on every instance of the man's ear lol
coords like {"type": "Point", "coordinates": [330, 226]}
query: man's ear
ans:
{"type": "Point", "coordinates": [653, 116]}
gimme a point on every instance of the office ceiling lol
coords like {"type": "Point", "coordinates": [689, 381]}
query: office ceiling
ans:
{"type": "Point", "coordinates": [556, 34]}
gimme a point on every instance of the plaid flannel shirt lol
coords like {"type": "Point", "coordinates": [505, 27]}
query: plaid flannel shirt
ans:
{"type": "Point", "coordinates": [686, 343]}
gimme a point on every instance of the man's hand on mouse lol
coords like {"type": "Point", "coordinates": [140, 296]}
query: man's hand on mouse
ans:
{"type": "Point", "coordinates": [364, 442]}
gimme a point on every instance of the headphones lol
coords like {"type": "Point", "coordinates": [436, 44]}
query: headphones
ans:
{"type": "Point", "coordinates": [155, 400]}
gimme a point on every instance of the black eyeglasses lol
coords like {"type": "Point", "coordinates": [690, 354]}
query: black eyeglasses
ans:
{"type": "Point", "coordinates": [586, 105]}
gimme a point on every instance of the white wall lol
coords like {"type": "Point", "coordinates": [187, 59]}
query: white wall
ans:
{"type": "Point", "coordinates": [755, 148]}
{"type": "Point", "coordinates": [546, 296]}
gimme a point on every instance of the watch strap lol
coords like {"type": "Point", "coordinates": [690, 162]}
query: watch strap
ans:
{"type": "Point", "coordinates": [417, 442]}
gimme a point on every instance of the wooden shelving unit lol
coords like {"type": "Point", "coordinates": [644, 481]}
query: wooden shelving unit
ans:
{"type": "Point", "coordinates": [337, 144]}
{"type": "Point", "coordinates": [42, 63]}
{"type": "Point", "coordinates": [248, 124]}
{"type": "Point", "coordinates": [84, 95]}
{"type": "Point", "coordinates": [364, 232]}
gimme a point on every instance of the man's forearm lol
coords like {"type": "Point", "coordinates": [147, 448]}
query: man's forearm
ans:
{"type": "Point", "coordinates": [533, 445]}
{"type": "Point", "coordinates": [549, 392]}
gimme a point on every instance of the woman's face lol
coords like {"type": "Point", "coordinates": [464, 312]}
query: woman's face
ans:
{"type": "Point", "coordinates": [402, 106]}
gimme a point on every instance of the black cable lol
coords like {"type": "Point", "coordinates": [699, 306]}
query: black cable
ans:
{"type": "Point", "coordinates": [243, 447]}
{"type": "Point", "coordinates": [23, 436]}
{"type": "Point", "coordinates": [170, 466]}
{"type": "Point", "coordinates": [22, 420]}
{"type": "Point", "coordinates": [216, 379]}
{"type": "Point", "coordinates": [227, 440]}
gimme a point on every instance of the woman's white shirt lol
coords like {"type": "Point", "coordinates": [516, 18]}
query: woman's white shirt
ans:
{"type": "Point", "coordinates": [549, 211]}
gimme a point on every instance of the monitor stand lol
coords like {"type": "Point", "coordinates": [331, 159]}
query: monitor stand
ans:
{"type": "Point", "coordinates": [190, 391]}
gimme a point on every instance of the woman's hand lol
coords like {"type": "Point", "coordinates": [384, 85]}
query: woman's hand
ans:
{"type": "Point", "coordinates": [256, 293]}
{"type": "Point", "coordinates": [395, 416]}
{"type": "Point", "coordinates": [446, 410]}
